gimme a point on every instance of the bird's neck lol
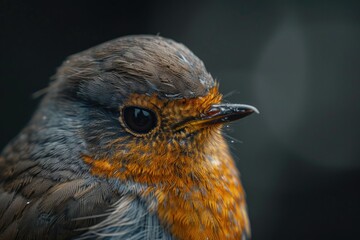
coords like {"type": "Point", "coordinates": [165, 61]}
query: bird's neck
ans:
{"type": "Point", "coordinates": [198, 196]}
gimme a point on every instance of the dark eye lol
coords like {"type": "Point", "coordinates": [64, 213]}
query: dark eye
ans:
{"type": "Point", "coordinates": [139, 120]}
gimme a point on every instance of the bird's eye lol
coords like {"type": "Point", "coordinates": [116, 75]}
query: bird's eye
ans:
{"type": "Point", "coordinates": [139, 120]}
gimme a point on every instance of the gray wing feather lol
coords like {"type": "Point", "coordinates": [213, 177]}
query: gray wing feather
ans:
{"type": "Point", "coordinates": [129, 219]}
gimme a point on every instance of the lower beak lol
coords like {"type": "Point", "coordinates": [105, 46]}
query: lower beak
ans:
{"type": "Point", "coordinates": [219, 114]}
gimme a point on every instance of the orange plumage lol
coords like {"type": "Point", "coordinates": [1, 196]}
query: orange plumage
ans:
{"type": "Point", "coordinates": [193, 178]}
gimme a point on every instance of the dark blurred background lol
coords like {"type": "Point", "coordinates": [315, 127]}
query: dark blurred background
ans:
{"type": "Point", "coordinates": [297, 61]}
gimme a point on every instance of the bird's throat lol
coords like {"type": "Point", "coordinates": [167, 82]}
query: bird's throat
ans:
{"type": "Point", "coordinates": [198, 196]}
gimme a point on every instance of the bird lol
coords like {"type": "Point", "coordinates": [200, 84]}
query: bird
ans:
{"type": "Point", "coordinates": [126, 143]}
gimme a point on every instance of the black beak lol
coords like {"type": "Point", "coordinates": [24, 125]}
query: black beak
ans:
{"type": "Point", "coordinates": [223, 113]}
{"type": "Point", "coordinates": [218, 114]}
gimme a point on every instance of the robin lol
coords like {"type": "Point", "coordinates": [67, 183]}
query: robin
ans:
{"type": "Point", "coordinates": [126, 144]}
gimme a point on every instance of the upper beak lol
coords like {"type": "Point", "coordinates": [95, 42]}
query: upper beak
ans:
{"type": "Point", "coordinates": [219, 114]}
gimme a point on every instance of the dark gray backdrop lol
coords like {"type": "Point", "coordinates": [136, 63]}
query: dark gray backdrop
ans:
{"type": "Point", "coordinates": [298, 62]}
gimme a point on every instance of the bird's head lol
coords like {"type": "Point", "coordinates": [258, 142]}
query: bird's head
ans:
{"type": "Point", "coordinates": [142, 100]}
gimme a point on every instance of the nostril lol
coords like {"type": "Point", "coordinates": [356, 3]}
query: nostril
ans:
{"type": "Point", "coordinates": [213, 111]}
